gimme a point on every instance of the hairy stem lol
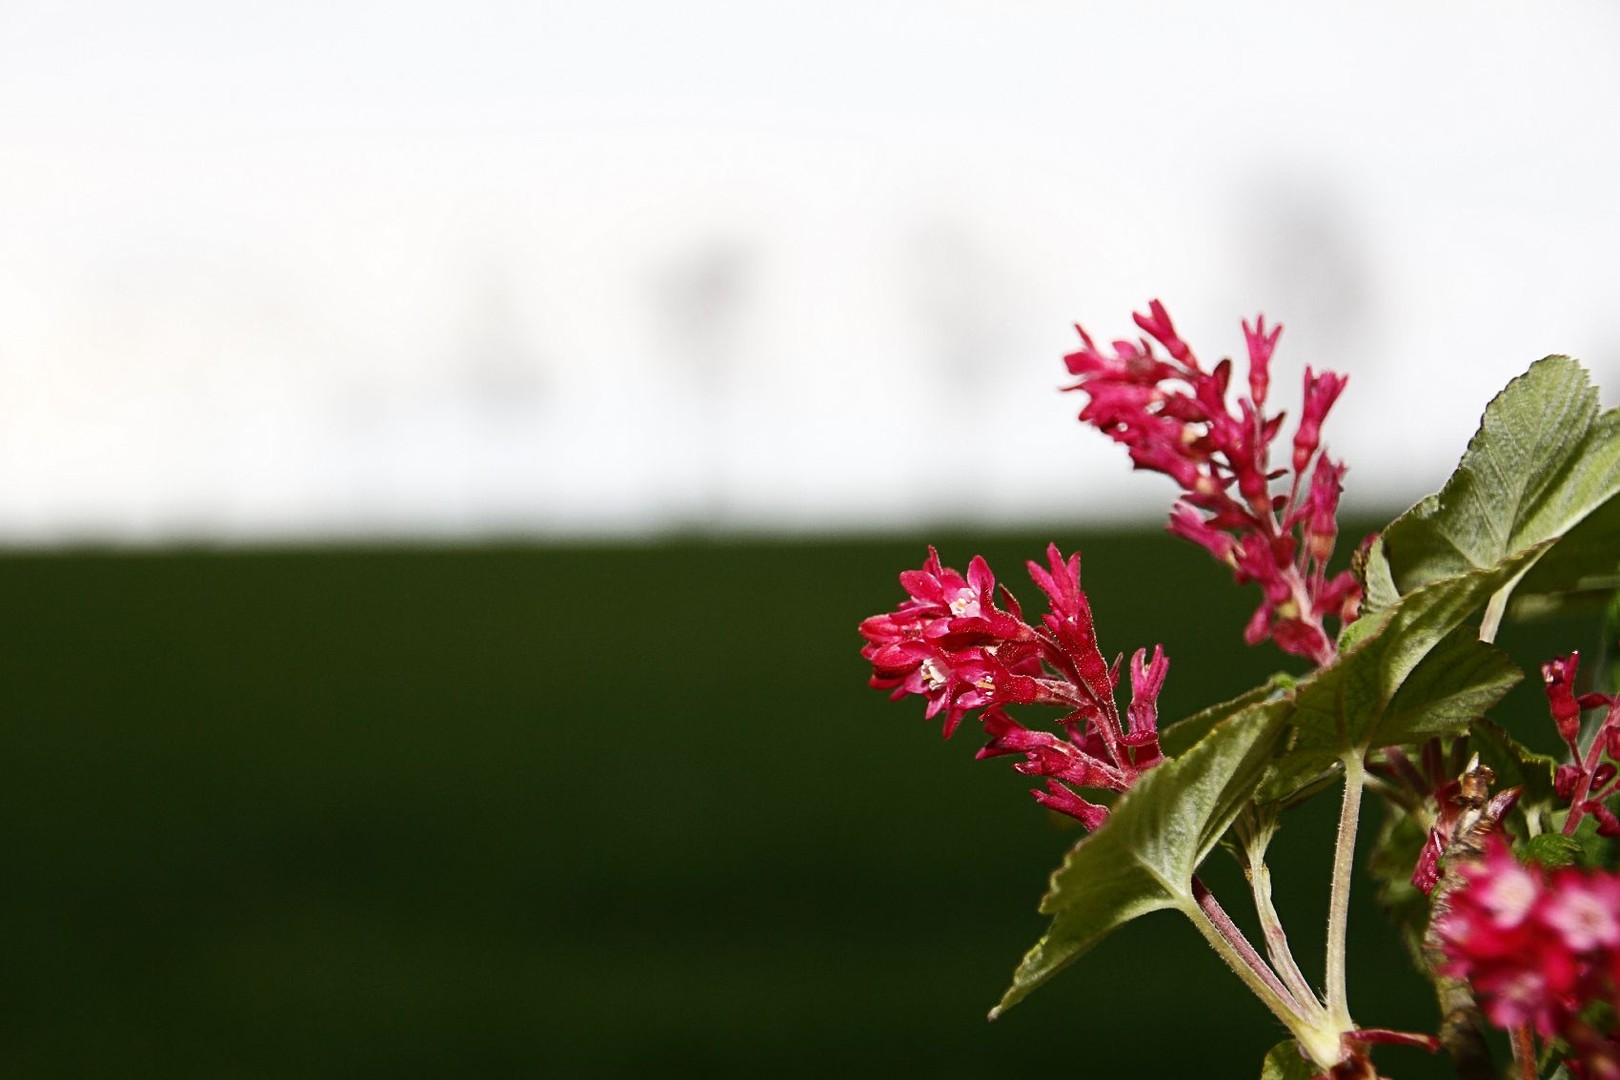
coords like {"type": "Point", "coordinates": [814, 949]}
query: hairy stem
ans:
{"type": "Point", "coordinates": [1320, 1040]}
{"type": "Point", "coordinates": [1282, 957]}
{"type": "Point", "coordinates": [1254, 832]}
{"type": "Point", "coordinates": [1462, 1031]}
{"type": "Point", "coordinates": [1344, 856]}
{"type": "Point", "coordinates": [1229, 933]}
{"type": "Point", "coordinates": [1462, 1026]}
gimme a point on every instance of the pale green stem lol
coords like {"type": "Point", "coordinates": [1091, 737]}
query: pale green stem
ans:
{"type": "Point", "coordinates": [1494, 610]}
{"type": "Point", "coordinates": [1254, 832]}
{"type": "Point", "coordinates": [1344, 857]}
{"type": "Point", "coordinates": [1282, 957]}
{"type": "Point", "coordinates": [1318, 1040]}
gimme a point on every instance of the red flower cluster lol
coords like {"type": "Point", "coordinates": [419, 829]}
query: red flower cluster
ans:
{"type": "Point", "coordinates": [1587, 781]}
{"type": "Point", "coordinates": [951, 644]}
{"type": "Point", "coordinates": [1173, 417]}
{"type": "Point", "coordinates": [1539, 950]}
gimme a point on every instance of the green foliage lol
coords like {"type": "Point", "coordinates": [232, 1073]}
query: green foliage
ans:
{"type": "Point", "coordinates": [1532, 513]}
{"type": "Point", "coordinates": [1417, 672]}
{"type": "Point", "coordinates": [1580, 575]}
{"type": "Point", "coordinates": [1541, 463]}
{"type": "Point", "coordinates": [1143, 858]}
{"type": "Point", "coordinates": [1515, 765]}
{"type": "Point", "coordinates": [1180, 737]}
{"type": "Point", "coordinates": [1552, 850]}
{"type": "Point", "coordinates": [1285, 1062]}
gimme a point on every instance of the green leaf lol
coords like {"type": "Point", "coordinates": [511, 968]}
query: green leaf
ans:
{"type": "Point", "coordinates": [1183, 734]}
{"type": "Point", "coordinates": [1285, 1062]}
{"type": "Point", "coordinates": [1419, 673]}
{"type": "Point", "coordinates": [1579, 574]}
{"type": "Point", "coordinates": [1516, 765]}
{"type": "Point", "coordinates": [1552, 850]}
{"type": "Point", "coordinates": [1144, 856]}
{"type": "Point", "coordinates": [1542, 460]}
{"type": "Point", "coordinates": [1377, 579]}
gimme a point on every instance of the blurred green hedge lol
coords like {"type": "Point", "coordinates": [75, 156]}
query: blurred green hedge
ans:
{"type": "Point", "coordinates": [573, 812]}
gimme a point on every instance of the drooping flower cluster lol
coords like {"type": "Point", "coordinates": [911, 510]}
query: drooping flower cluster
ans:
{"type": "Point", "coordinates": [950, 643]}
{"type": "Point", "coordinates": [1174, 418]}
{"type": "Point", "coordinates": [1587, 781]}
{"type": "Point", "coordinates": [1541, 951]}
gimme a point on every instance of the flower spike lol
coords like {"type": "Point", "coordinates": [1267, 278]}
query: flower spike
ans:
{"type": "Point", "coordinates": [950, 644]}
{"type": "Point", "coordinates": [1173, 417]}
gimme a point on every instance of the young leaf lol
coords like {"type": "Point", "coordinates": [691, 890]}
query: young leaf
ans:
{"type": "Point", "coordinates": [1552, 850]}
{"type": "Point", "coordinates": [1542, 460]}
{"type": "Point", "coordinates": [1516, 765]}
{"type": "Point", "coordinates": [1285, 1062]}
{"type": "Point", "coordinates": [1144, 856]}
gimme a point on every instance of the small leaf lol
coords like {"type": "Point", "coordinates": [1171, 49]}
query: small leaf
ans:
{"type": "Point", "coordinates": [1542, 460]}
{"type": "Point", "coordinates": [1144, 856]}
{"type": "Point", "coordinates": [1286, 1062]}
{"type": "Point", "coordinates": [1516, 765]}
{"type": "Point", "coordinates": [1552, 850]}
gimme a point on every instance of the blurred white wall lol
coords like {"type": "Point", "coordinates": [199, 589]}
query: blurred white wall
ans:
{"type": "Point", "coordinates": [378, 269]}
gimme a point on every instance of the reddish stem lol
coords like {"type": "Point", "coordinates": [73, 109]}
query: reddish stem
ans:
{"type": "Point", "coordinates": [1234, 936]}
{"type": "Point", "coordinates": [1583, 792]}
{"type": "Point", "coordinates": [1397, 1038]}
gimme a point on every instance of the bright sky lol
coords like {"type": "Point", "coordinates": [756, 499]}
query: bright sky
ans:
{"type": "Point", "coordinates": [337, 268]}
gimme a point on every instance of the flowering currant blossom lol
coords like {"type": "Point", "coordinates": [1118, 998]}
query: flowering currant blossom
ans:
{"type": "Point", "coordinates": [1173, 417]}
{"type": "Point", "coordinates": [950, 644]}
{"type": "Point", "coordinates": [1588, 781]}
{"type": "Point", "coordinates": [1538, 949]}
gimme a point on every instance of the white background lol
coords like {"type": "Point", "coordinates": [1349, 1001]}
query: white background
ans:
{"type": "Point", "coordinates": [344, 269]}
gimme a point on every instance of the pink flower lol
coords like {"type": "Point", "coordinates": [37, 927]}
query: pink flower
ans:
{"type": "Point", "coordinates": [951, 644]}
{"type": "Point", "coordinates": [1173, 417]}
{"type": "Point", "coordinates": [1586, 781]}
{"type": "Point", "coordinates": [1584, 910]}
{"type": "Point", "coordinates": [1559, 676]}
{"type": "Point", "coordinates": [1538, 950]}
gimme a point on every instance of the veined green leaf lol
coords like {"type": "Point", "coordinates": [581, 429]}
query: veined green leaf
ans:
{"type": "Point", "coordinates": [1419, 672]}
{"type": "Point", "coordinates": [1180, 736]}
{"type": "Point", "coordinates": [1579, 574]}
{"type": "Point", "coordinates": [1378, 591]}
{"type": "Point", "coordinates": [1542, 461]}
{"type": "Point", "coordinates": [1553, 850]}
{"type": "Point", "coordinates": [1144, 856]}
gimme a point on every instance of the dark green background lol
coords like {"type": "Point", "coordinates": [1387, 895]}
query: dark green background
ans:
{"type": "Point", "coordinates": [542, 811]}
